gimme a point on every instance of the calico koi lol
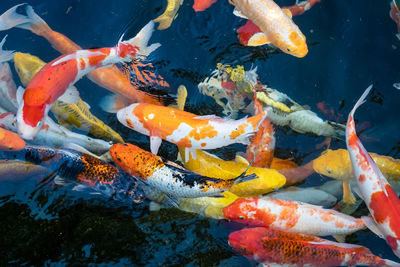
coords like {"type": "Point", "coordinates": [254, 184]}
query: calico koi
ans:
{"type": "Point", "coordinates": [110, 78]}
{"type": "Point", "coordinates": [168, 177]}
{"type": "Point", "coordinates": [187, 129]}
{"type": "Point", "coordinates": [55, 79]}
{"type": "Point", "coordinates": [84, 169]}
{"type": "Point", "coordinates": [380, 198]}
{"type": "Point", "coordinates": [292, 216]}
{"type": "Point", "coordinates": [279, 248]}
{"type": "Point", "coordinates": [275, 26]}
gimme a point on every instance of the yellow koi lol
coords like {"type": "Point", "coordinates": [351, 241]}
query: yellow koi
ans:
{"type": "Point", "coordinates": [170, 13]}
{"type": "Point", "coordinates": [76, 115]}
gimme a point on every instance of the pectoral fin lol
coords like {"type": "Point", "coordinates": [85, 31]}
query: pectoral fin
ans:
{"type": "Point", "coordinates": [155, 143]}
{"type": "Point", "coordinates": [70, 96]}
{"type": "Point", "coordinates": [287, 12]}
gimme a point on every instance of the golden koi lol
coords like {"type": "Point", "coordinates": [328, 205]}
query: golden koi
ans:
{"type": "Point", "coordinates": [67, 114]}
{"type": "Point", "coordinates": [170, 13]}
{"type": "Point", "coordinates": [275, 26]}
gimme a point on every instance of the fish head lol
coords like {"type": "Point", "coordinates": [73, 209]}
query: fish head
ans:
{"type": "Point", "coordinates": [295, 44]}
{"type": "Point", "coordinates": [135, 117]}
{"type": "Point", "coordinates": [134, 160]}
{"type": "Point", "coordinates": [126, 51]}
{"type": "Point", "coordinates": [334, 163]}
{"type": "Point", "coordinates": [248, 241]}
{"type": "Point", "coordinates": [244, 210]}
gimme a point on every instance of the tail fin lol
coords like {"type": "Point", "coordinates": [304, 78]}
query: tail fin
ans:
{"type": "Point", "coordinates": [11, 19]}
{"type": "Point", "coordinates": [141, 40]}
{"type": "Point", "coordinates": [5, 55]}
{"type": "Point", "coordinates": [113, 103]}
{"type": "Point", "coordinates": [360, 101]}
{"type": "Point", "coordinates": [243, 177]}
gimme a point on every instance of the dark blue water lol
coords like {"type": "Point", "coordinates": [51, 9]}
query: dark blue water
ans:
{"type": "Point", "coordinates": [352, 44]}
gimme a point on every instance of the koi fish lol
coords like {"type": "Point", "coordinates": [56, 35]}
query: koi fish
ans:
{"type": "Point", "coordinates": [275, 26]}
{"type": "Point", "coordinates": [380, 198]}
{"type": "Point", "coordinates": [395, 16]}
{"type": "Point", "coordinates": [201, 5]}
{"type": "Point", "coordinates": [168, 177]}
{"type": "Point", "coordinates": [204, 163]}
{"type": "Point", "coordinates": [308, 195]}
{"type": "Point", "coordinates": [10, 141]}
{"type": "Point", "coordinates": [55, 79]}
{"type": "Point", "coordinates": [292, 216]}
{"type": "Point", "coordinates": [16, 169]}
{"type": "Point", "coordinates": [7, 85]}
{"type": "Point", "coordinates": [110, 78]}
{"type": "Point", "coordinates": [170, 13]}
{"type": "Point", "coordinates": [84, 169]}
{"type": "Point", "coordinates": [300, 7]}
{"type": "Point", "coordinates": [52, 134]}
{"type": "Point", "coordinates": [70, 115]}
{"type": "Point", "coordinates": [279, 248]}
{"type": "Point", "coordinates": [337, 164]}
{"type": "Point", "coordinates": [186, 129]}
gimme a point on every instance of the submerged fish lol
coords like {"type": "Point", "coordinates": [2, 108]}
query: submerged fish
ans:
{"type": "Point", "coordinates": [82, 168]}
{"type": "Point", "coordinates": [55, 79]}
{"type": "Point", "coordinates": [292, 216]}
{"type": "Point", "coordinates": [170, 13]}
{"type": "Point", "coordinates": [380, 198]}
{"type": "Point", "coordinates": [210, 165]}
{"type": "Point", "coordinates": [278, 248]}
{"type": "Point", "coordinates": [301, 6]}
{"type": "Point", "coordinates": [276, 26]}
{"type": "Point", "coordinates": [337, 164]}
{"type": "Point", "coordinates": [67, 114]}
{"type": "Point", "coordinates": [187, 129]}
{"type": "Point", "coordinates": [52, 134]}
{"type": "Point", "coordinates": [168, 177]}
{"type": "Point", "coordinates": [8, 88]}
{"type": "Point", "coordinates": [10, 141]}
{"type": "Point", "coordinates": [110, 78]}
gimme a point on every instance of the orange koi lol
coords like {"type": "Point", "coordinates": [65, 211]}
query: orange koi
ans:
{"type": "Point", "coordinates": [380, 198]}
{"type": "Point", "coordinates": [300, 7]}
{"type": "Point", "coordinates": [110, 78]}
{"type": "Point", "coordinates": [187, 129]}
{"type": "Point", "coordinates": [279, 248]}
{"type": "Point", "coordinates": [274, 25]}
{"type": "Point", "coordinates": [169, 177]}
{"type": "Point", "coordinates": [201, 5]}
{"type": "Point", "coordinates": [53, 80]}
{"type": "Point", "coordinates": [395, 16]}
{"type": "Point", "coordinates": [10, 141]}
{"type": "Point", "coordinates": [292, 216]}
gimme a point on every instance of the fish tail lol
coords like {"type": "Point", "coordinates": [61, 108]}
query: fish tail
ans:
{"type": "Point", "coordinates": [113, 103]}
{"type": "Point", "coordinates": [5, 55]}
{"type": "Point", "coordinates": [11, 19]}
{"type": "Point", "coordinates": [165, 21]}
{"type": "Point", "coordinates": [243, 177]}
{"type": "Point", "coordinates": [141, 40]}
{"type": "Point", "coordinates": [360, 101]}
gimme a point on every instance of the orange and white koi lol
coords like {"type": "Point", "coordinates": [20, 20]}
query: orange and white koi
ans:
{"type": "Point", "coordinates": [10, 141]}
{"type": "Point", "coordinates": [110, 78]}
{"type": "Point", "coordinates": [380, 198]}
{"type": "Point", "coordinates": [168, 177]}
{"type": "Point", "coordinates": [187, 129]}
{"type": "Point", "coordinates": [275, 26]}
{"type": "Point", "coordinates": [292, 216]}
{"type": "Point", "coordinates": [53, 80]}
{"type": "Point", "coordinates": [279, 248]}
{"type": "Point", "coordinates": [300, 7]}
{"type": "Point", "coordinates": [395, 16]}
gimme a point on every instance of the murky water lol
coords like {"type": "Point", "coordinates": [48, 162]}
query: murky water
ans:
{"type": "Point", "coordinates": [352, 44]}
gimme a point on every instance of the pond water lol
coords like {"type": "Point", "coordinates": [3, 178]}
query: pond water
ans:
{"type": "Point", "coordinates": [352, 44]}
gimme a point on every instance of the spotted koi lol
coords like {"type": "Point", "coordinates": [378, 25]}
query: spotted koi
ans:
{"type": "Point", "coordinates": [292, 216]}
{"type": "Point", "coordinates": [84, 169]}
{"type": "Point", "coordinates": [279, 248]}
{"type": "Point", "coordinates": [380, 198]}
{"type": "Point", "coordinates": [268, 23]}
{"type": "Point", "coordinates": [187, 129]}
{"type": "Point", "coordinates": [166, 176]}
